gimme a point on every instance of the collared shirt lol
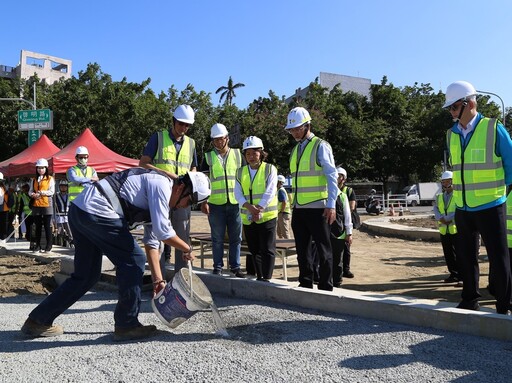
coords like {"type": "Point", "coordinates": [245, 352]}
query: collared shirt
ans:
{"type": "Point", "coordinates": [270, 191]}
{"type": "Point", "coordinates": [440, 214]}
{"type": "Point", "coordinates": [79, 177]}
{"type": "Point", "coordinates": [326, 160]}
{"type": "Point", "coordinates": [149, 191]}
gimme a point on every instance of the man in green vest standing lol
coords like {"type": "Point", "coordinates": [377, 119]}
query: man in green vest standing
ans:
{"type": "Point", "coordinates": [80, 176]}
{"type": "Point", "coordinates": [315, 188]}
{"type": "Point", "coordinates": [283, 209]}
{"type": "Point", "coordinates": [480, 154]}
{"type": "Point", "coordinates": [444, 212]}
{"type": "Point", "coordinates": [222, 209]}
{"type": "Point", "coordinates": [174, 153]}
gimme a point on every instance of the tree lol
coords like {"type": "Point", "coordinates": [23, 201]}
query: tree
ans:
{"type": "Point", "coordinates": [228, 91]}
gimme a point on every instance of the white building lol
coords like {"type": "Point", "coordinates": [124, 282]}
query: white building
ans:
{"type": "Point", "coordinates": [48, 68]}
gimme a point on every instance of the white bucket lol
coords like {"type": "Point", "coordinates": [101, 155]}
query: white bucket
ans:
{"type": "Point", "coordinates": [176, 302]}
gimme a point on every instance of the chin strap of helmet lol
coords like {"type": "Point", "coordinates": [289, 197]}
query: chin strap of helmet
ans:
{"type": "Point", "coordinates": [464, 104]}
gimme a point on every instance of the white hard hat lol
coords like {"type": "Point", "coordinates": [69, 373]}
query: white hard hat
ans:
{"type": "Point", "coordinates": [458, 90]}
{"type": "Point", "coordinates": [298, 116]}
{"type": "Point", "coordinates": [81, 150]}
{"type": "Point", "coordinates": [184, 113]}
{"type": "Point", "coordinates": [281, 178]}
{"type": "Point", "coordinates": [63, 183]}
{"type": "Point", "coordinates": [340, 170]}
{"type": "Point", "coordinates": [252, 142]}
{"type": "Point", "coordinates": [218, 130]}
{"type": "Point", "coordinates": [446, 175]}
{"type": "Point", "coordinates": [41, 162]}
{"type": "Point", "coordinates": [201, 188]}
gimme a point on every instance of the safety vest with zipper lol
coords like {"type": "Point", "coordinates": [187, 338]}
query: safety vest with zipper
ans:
{"type": "Point", "coordinates": [222, 176]}
{"type": "Point", "coordinates": [42, 185]}
{"type": "Point", "coordinates": [451, 228]}
{"type": "Point", "coordinates": [254, 189]}
{"type": "Point", "coordinates": [167, 158]}
{"type": "Point", "coordinates": [478, 174]}
{"type": "Point", "coordinates": [310, 183]}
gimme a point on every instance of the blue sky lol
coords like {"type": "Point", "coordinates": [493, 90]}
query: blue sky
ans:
{"type": "Point", "coordinates": [270, 45]}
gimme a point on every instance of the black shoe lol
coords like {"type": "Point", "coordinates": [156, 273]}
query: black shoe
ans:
{"type": "Point", "coordinates": [469, 305]}
{"type": "Point", "coordinates": [263, 279]}
{"type": "Point", "coordinates": [217, 271]}
{"type": "Point", "coordinates": [36, 248]}
{"type": "Point", "coordinates": [348, 274]}
{"type": "Point", "coordinates": [238, 273]}
{"type": "Point", "coordinates": [48, 248]}
{"type": "Point", "coordinates": [133, 333]}
{"type": "Point", "coordinates": [451, 279]}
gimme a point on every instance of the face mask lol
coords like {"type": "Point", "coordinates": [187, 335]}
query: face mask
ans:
{"type": "Point", "coordinates": [82, 161]}
{"type": "Point", "coordinates": [41, 171]}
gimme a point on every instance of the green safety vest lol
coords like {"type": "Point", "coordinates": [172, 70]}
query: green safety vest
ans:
{"type": "Point", "coordinates": [254, 189]}
{"type": "Point", "coordinates": [222, 177]}
{"type": "Point", "coordinates": [344, 200]}
{"type": "Point", "coordinates": [310, 183]}
{"type": "Point", "coordinates": [452, 228]}
{"type": "Point", "coordinates": [167, 158]}
{"type": "Point", "coordinates": [26, 204]}
{"type": "Point", "coordinates": [74, 188]}
{"type": "Point", "coordinates": [287, 207]}
{"type": "Point", "coordinates": [478, 174]}
{"type": "Point", "coordinates": [509, 220]}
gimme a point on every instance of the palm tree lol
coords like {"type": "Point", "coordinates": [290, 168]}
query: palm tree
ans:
{"type": "Point", "coordinates": [228, 91]}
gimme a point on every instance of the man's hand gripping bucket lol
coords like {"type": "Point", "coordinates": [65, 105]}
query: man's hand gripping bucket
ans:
{"type": "Point", "coordinates": [181, 298]}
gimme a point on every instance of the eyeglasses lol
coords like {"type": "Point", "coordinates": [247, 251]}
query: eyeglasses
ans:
{"type": "Point", "coordinates": [296, 129]}
{"type": "Point", "coordinates": [454, 107]}
{"type": "Point", "coordinates": [82, 157]}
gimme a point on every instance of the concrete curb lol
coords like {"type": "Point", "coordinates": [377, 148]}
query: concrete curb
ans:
{"type": "Point", "coordinates": [382, 225]}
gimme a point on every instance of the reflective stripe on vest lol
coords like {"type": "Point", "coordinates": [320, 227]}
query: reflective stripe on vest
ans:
{"type": "Point", "coordinates": [44, 185]}
{"type": "Point", "coordinates": [74, 188]}
{"type": "Point", "coordinates": [452, 228]}
{"type": "Point", "coordinates": [222, 177]}
{"type": "Point", "coordinates": [62, 207]}
{"type": "Point", "coordinates": [167, 158]}
{"type": "Point", "coordinates": [254, 189]}
{"type": "Point", "coordinates": [478, 174]}
{"type": "Point", "coordinates": [287, 207]}
{"type": "Point", "coordinates": [310, 183]}
{"type": "Point", "coordinates": [509, 220]}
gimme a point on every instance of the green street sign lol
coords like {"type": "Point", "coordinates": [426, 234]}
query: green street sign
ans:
{"type": "Point", "coordinates": [35, 119]}
{"type": "Point", "coordinates": [33, 136]}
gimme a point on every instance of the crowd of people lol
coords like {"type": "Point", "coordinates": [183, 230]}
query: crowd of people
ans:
{"type": "Point", "coordinates": [244, 197]}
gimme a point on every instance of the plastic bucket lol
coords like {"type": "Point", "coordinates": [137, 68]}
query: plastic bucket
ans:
{"type": "Point", "coordinates": [176, 302]}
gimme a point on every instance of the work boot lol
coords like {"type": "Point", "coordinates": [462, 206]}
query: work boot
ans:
{"type": "Point", "coordinates": [122, 334]}
{"type": "Point", "coordinates": [34, 329]}
{"type": "Point", "coordinates": [348, 274]}
{"type": "Point", "coordinates": [238, 273]}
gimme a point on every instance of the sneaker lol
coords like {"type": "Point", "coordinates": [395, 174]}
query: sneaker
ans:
{"type": "Point", "coordinates": [348, 274]}
{"type": "Point", "coordinates": [217, 272]}
{"type": "Point", "coordinates": [34, 329]}
{"type": "Point", "coordinates": [238, 273]}
{"type": "Point", "coordinates": [132, 333]}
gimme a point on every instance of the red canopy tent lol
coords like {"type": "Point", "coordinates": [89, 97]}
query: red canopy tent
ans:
{"type": "Point", "coordinates": [101, 158]}
{"type": "Point", "coordinates": [23, 164]}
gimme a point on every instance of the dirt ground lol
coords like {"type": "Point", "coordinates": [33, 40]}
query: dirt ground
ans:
{"type": "Point", "coordinates": [380, 264]}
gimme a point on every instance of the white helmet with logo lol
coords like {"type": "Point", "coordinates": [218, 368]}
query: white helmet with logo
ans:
{"type": "Point", "coordinates": [458, 90]}
{"type": "Point", "coordinates": [81, 150]}
{"type": "Point", "coordinates": [201, 188]}
{"type": "Point", "coordinates": [447, 175]}
{"type": "Point", "coordinates": [218, 131]}
{"type": "Point", "coordinates": [184, 113]}
{"type": "Point", "coordinates": [252, 142]}
{"type": "Point", "coordinates": [340, 170]}
{"type": "Point", "coordinates": [281, 178]}
{"type": "Point", "coordinates": [298, 116]}
{"type": "Point", "coordinates": [41, 163]}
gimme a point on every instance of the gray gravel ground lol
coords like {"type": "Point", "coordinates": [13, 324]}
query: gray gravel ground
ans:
{"type": "Point", "coordinates": [267, 343]}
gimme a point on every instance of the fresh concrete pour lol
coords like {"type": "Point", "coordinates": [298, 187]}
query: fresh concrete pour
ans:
{"type": "Point", "coordinates": [267, 343]}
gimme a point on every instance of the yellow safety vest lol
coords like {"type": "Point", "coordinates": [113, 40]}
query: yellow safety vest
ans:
{"type": "Point", "coordinates": [287, 207]}
{"type": "Point", "coordinates": [74, 188]}
{"type": "Point", "coordinates": [222, 176]}
{"type": "Point", "coordinates": [509, 220]}
{"type": "Point", "coordinates": [478, 174]}
{"type": "Point", "coordinates": [310, 183]}
{"type": "Point", "coordinates": [167, 158]}
{"type": "Point", "coordinates": [254, 189]}
{"type": "Point", "coordinates": [452, 228]}
{"type": "Point", "coordinates": [44, 185]}
{"type": "Point", "coordinates": [26, 203]}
